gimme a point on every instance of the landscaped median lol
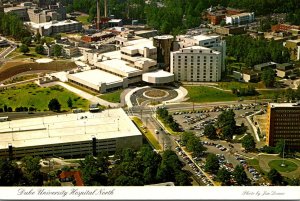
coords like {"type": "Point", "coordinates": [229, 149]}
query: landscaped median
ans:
{"type": "Point", "coordinates": [146, 132]}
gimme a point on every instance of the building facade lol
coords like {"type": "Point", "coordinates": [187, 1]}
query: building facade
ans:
{"type": "Point", "coordinates": [69, 135]}
{"type": "Point", "coordinates": [283, 123]}
{"type": "Point", "coordinates": [294, 49]}
{"type": "Point", "coordinates": [209, 41]}
{"type": "Point", "coordinates": [242, 18]}
{"type": "Point", "coordinates": [196, 64]}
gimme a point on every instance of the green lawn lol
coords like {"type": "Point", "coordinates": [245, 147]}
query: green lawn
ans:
{"type": "Point", "coordinates": [151, 139]}
{"type": "Point", "coordinates": [113, 97]}
{"type": "Point", "coordinates": [201, 94]}
{"type": "Point", "coordinates": [289, 166]}
{"type": "Point", "coordinates": [31, 95]}
{"type": "Point", "coordinates": [83, 19]}
{"type": "Point", "coordinates": [233, 84]}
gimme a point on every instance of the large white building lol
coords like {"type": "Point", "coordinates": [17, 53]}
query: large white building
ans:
{"type": "Point", "coordinates": [196, 64]}
{"type": "Point", "coordinates": [125, 67]}
{"type": "Point", "coordinates": [242, 18]}
{"type": "Point", "coordinates": [69, 135]}
{"type": "Point", "coordinates": [213, 42]}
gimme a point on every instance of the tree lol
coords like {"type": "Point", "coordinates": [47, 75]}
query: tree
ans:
{"type": "Point", "coordinates": [24, 49]}
{"type": "Point", "coordinates": [39, 49]}
{"type": "Point", "coordinates": [222, 23]}
{"type": "Point", "coordinates": [290, 94]}
{"type": "Point", "coordinates": [94, 171]}
{"type": "Point", "coordinates": [10, 174]}
{"type": "Point", "coordinates": [70, 103]}
{"type": "Point", "coordinates": [9, 109]}
{"type": "Point", "coordinates": [212, 163]}
{"type": "Point", "coordinates": [57, 37]}
{"type": "Point", "coordinates": [268, 77]}
{"type": "Point", "coordinates": [26, 41]}
{"type": "Point", "coordinates": [57, 50]}
{"type": "Point", "coordinates": [37, 38]}
{"type": "Point", "coordinates": [31, 170]}
{"type": "Point", "coordinates": [248, 142]}
{"type": "Point", "coordinates": [279, 147]}
{"type": "Point", "coordinates": [227, 132]}
{"type": "Point", "coordinates": [240, 175]}
{"type": "Point", "coordinates": [54, 105]}
{"type": "Point", "coordinates": [223, 176]}
{"type": "Point", "coordinates": [5, 108]}
{"type": "Point", "coordinates": [210, 131]}
{"type": "Point", "coordinates": [275, 177]}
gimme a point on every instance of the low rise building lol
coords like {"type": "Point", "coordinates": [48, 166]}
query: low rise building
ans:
{"type": "Point", "coordinates": [69, 135]}
{"type": "Point", "coordinates": [196, 64]}
{"type": "Point", "coordinates": [283, 27]}
{"type": "Point", "coordinates": [21, 11]}
{"type": "Point", "coordinates": [242, 18]}
{"type": "Point", "coordinates": [283, 123]}
{"type": "Point", "coordinates": [263, 66]}
{"type": "Point", "coordinates": [55, 27]}
{"type": "Point", "coordinates": [230, 30]}
{"type": "Point", "coordinates": [294, 48]}
{"type": "Point", "coordinates": [285, 70]}
{"type": "Point", "coordinates": [247, 75]}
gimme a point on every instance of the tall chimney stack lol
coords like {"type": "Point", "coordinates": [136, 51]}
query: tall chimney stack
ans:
{"type": "Point", "coordinates": [98, 21]}
{"type": "Point", "coordinates": [105, 8]}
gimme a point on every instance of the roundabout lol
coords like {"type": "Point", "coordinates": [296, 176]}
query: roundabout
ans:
{"type": "Point", "coordinates": [155, 93]}
{"type": "Point", "coordinates": [152, 95]}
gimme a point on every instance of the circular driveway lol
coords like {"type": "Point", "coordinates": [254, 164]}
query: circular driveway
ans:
{"type": "Point", "coordinates": [141, 96]}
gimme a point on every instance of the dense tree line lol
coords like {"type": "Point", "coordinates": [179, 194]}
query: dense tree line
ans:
{"type": "Point", "coordinates": [256, 51]}
{"type": "Point", "coordinates": [167, 119]}
{"type": "Point", "coordinates": [26, 174]}
{"type": "Point", "coordinates": [192, 143]}
{"type": "Point", "coordinates": [12, 25]}
{"type": "Point", "coordinates": [134, 168]}
{"type": "Point", "coordinates": [263, 7]}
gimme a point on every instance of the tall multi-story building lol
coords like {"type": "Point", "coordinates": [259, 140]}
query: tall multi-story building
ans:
{"type": "Point", "coordinates": [164, 45]}
{"type": "Point", "coordinates": [242, 18]}
{"type": "Point", "coordinates": [196, 64]}
{"type": "Point", "coordinates": [209, 41]}
{"type": "Point", "coordinates": [284, 124]}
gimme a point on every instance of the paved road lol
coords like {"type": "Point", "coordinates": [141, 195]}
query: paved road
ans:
{"type": "Point", "coordinates": [7, 51]}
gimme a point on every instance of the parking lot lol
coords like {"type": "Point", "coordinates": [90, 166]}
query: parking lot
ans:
{"type": "Point", "coordinates": [196, 120]}
{"type": "Point", "coordinates": [229, 154]}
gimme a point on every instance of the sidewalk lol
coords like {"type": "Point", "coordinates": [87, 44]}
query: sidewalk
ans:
{"type": "Point", "coordinates": [85, 95]}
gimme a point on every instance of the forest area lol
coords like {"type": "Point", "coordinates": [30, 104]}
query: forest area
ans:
{"type": "Point", "coordinates": [174, 16]}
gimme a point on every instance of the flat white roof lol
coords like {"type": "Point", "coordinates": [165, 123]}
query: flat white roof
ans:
{"type": "Point", "coordinates": [120, 65]}
{"type": "Point", "coordinates": [204, 37]}
{"type": "Point", "coordinates": [66, 128]}
{"type": "Point", "coordinates": [97, 77]}
{"type": "Point", "coordinates": [115, 20]}
{"type": "Point", "coordinates": [284, 105]}
{"type": "Point", "coordinates": [140, 43]}
{"type": "Point", "coordinates": [159, 73]}
{"type": "Point", "coordinates": [164, 37]}
{"type": "Point", "coordinates": [47, 25]}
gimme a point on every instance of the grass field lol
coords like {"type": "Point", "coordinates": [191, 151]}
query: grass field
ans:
{"type": "Point", "coordinates": [207, 94]}
{"type": "Point", "coordinates": [113, 97]}
{"type": "Point", "coordinates": [289, 166]}
{"type": "Point", "coordinates": [31, 95]}
{"type": "Point", "coordinates": [147, 133]}
{"type": "Point", "coordinates": [230, 85]}
{"type": "Point", "coordinates": [83, 19]}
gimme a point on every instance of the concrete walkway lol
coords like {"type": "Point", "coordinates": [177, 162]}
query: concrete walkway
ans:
{"type": "Point", "coordinates": [253, 126]}
{"type": "Point", "coordinates": [83, 94]}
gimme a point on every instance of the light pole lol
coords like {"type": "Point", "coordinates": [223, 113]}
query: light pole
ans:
{"type": "Point", "coordinates": [85, 127]}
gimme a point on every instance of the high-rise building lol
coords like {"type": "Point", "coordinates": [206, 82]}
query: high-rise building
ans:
{"type": "Point", "coordinates": [164, 45]}
{"type": "Point", "coordinates": [284, 124]}
{"type": "Point", "coordinates": [210, 41]}
{"type": "Point", "coordinates": [196, 64]}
